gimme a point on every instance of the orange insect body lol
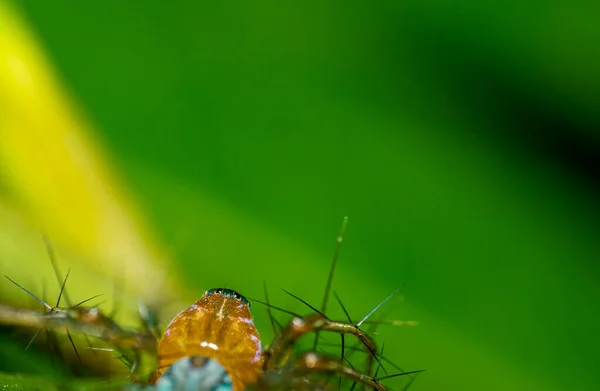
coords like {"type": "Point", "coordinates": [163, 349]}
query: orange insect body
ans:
{"type": "Point", "coordinates": [218, 326]}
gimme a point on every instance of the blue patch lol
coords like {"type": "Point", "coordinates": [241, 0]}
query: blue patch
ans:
{"type": "Point", "coordinates": [194, 374]}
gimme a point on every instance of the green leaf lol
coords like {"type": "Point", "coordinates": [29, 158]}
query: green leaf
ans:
{"type": "Point", "coordinates": [28, 382]}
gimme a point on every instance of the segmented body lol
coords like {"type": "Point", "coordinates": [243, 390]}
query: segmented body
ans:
{"type": "Point", "coordinates": [217, 326]}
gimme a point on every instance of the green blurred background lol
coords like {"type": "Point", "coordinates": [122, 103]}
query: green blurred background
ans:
{"type": "Point", "coordinates": [461, 140]}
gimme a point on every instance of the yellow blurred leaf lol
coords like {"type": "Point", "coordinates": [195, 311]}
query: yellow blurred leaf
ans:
{"type": "Point", "coordinates": [55, 179]}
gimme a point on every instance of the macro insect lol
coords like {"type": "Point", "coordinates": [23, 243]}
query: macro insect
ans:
{"type": "Point", "coordinates": [219, 327]}
{"type": "Point", "coordinates": [214, 344]}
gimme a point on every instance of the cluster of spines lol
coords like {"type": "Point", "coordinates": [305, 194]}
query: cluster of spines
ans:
{"type": "Point", "coordinates": [301, 365]}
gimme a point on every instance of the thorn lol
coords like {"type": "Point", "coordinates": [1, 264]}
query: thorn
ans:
{"type": "Point", "coordinates": [374, 354]}
{"type": "Point", "coordinates": [101, 349]}
{"type": "Point", "coordinates": [52, 256]}
{"type": "Point", "coordinates": [343, 308]}
{"type": "Point", "coordinates": [378, 366]}
{"type": "Point", "coordinates": [86, 300]}
{"type": "Point", "coordinates": [393, 322]}
{"type": "Point", "coordinates": [336, 255]}
{"type": "Point", "coordinates": [62, 288]}
{"type": "Point", "coordinates": [400, 374]}
{"type": "Point", "coordinates": [276, 308]}
{"type": "Point", "coordinates": [89, 345]}
{"type": "Point", "coordinates": [74, 347]}
{"type": "Point", "coordinates": [269, 312]}
{"type": "Point", "coordinates": [377, 307]}
{"type": "Point", "coordinates": [410, 382]}
{"type": "Point", "coordinates": [48, 306]}
{"type": "Point", "coordinates": [34, 337]}
{"type": "Point", "coordinates": [306, 304]}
